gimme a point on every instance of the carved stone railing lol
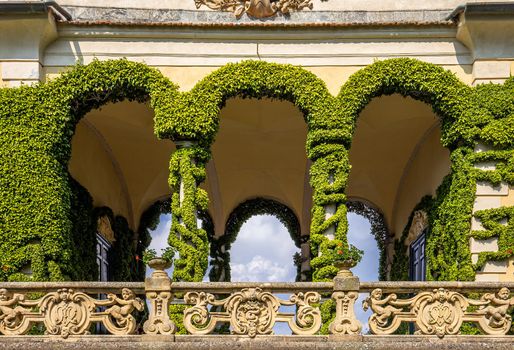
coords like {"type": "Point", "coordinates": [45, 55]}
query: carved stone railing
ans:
{"type": "Point", "coordinates": [69, 308]}
{"type": "Point", "coordinates": [252, 309]}
{"type": "Point", "coordinates": [439, 308]}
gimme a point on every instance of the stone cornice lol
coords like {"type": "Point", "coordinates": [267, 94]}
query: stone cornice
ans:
{"type": "Point", "coordinates": [170, 17]}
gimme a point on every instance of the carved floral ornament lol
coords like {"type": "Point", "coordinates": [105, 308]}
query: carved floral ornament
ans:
{"type": "Point", "coordinates": [252, 312]}
{"type": "Point", "coordinates": [68, 312]}
{"type": "Point", "coordinates": [440, 312]}
{"type": "Point", "coordinates": [256, 8]}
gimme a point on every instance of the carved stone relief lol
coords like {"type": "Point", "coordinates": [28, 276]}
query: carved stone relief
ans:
{"type": "Point", "coordinates": [68, 312]}
{"type": "Point", "coordinates": [251, 312]}
{"type": "Point", "coordinates": [418, 225]}
{"type": "Point", "coordinates": [440, 312]}
{"type": "Point", "coordinates": [105, 229]}
{"type": "Point", "coordinates": [256, 8]}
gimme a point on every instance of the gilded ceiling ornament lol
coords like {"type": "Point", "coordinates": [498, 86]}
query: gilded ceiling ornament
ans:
{"type": "Point", "coordinates": [256, 8]}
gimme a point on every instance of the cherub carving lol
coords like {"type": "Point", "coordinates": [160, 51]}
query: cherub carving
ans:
{"type": "Point", "coordinates": [496, 311]}
{"type": "Point", "coordinates": [126, 305]}
{"type": "Point", "coordinates": [8, 314]}
{"type": "Point", "coordinates": [382, 311]}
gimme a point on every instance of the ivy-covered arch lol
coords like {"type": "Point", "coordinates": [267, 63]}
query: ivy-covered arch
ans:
{"type": "Point", "coordinates": [195, 118]}
{"type": "Point", "coordinates": [462, 117]}
{"type": "Point", "coordinates": [220, 247]}
{"type": "Point", "coordinates": [38, 226]}
{"type": "Point", "coordinates": [37, 123]}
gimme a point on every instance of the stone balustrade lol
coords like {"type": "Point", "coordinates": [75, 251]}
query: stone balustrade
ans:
{"type": "Point", "coordinates": [251, 310]}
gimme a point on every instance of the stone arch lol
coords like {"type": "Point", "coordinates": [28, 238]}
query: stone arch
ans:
{"type": "Point", "coordinates": [451, 99]}
{"type": "Point", "coordinates": [220, 246]}
{"type": "Point", "coordinates": [248, 79]}
{"type": "Point", "coordinates": [255, 79]}
{"type": "Point", "coordinates": [63, 102]}
{"type": "Point", "coordinates": [454, 103]}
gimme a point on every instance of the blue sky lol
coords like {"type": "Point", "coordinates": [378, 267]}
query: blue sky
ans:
{"type": "Point", "coordinates": [263, 252]}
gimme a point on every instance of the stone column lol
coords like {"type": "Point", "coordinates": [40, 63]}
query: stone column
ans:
{"type": "Point", "coordinates": [158, 293]}
{"type": "Point", "coordinates": [346, 292]}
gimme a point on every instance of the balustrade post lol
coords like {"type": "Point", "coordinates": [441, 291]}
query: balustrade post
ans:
{"type": "Point", "coordinates": [346, 292]}
{"type": "Point", "coordinates": [158, 292]}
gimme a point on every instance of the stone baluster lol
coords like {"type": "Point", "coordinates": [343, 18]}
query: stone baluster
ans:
{"type": "Point", "coordinates": [346, 292]}
{"type": "Point", "coordinates": [158, 292]}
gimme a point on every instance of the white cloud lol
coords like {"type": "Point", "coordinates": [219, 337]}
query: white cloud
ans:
{"type": "Point", "coordinates": [259, 269]}
{"type": "Point", "coordinates": [263, 251]}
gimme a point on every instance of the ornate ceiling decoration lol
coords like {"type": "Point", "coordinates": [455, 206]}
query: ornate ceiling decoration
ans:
{"type": "Point", "coordinates": [256, 8]}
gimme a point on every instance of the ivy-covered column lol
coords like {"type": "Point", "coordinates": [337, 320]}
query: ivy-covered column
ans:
{"type": "Point", "coordinates": [329, 174]}
{"type": "Point", "coordinates": [328, 177]}
{"type": "Point", "coordinates": [187, 171]}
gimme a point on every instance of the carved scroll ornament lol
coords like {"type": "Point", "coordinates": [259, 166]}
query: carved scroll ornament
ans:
{"type": "Point", "coordinates": [256, 8]}
{"type": "Point", "coordinates": [345, 321]}
{"type": "Point", "coordinates": [251, 312]}
{"type": "Point", "coordinates": [440, 312]}
{"type": "Point", "coordinates": [67, 312]}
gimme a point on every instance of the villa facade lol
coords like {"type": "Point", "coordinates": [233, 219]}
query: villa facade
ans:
{"type": "Point", "coordinates": [217, 110]}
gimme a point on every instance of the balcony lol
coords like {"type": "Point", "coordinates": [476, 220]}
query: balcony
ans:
{"type": "Point", "coordinates": [109, 315]}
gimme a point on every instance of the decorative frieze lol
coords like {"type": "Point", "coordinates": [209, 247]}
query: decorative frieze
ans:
{"type": "Point", "coordinates": [256, 8]}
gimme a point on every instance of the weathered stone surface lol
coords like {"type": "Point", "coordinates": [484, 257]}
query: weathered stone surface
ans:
{"type": "Point", "coordinates": [483, 245]}
{"type": "Point", "coordinates": [488, 189]}
{"type": "Point", "coordinates": [80, 13]}
{"type": "Point", "coordinates": [264, 343]}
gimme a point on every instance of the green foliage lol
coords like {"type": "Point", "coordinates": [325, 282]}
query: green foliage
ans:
{"type": "Point", "coordinates": [352, 254]}
{"type": "Point", "coordinates": [38, 220]}
{"type": "Point", "coordinates": [187, 171]}
{"type": "Point", "coordinates": [498, 222]}
{"type": "Point", "coordinates": [37, 123]}
{"type": "Point", "coordinates": [84, 232]}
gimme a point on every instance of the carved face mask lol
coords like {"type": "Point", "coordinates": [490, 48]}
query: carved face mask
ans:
{"type": "Point", "coordinates": [260, 8]}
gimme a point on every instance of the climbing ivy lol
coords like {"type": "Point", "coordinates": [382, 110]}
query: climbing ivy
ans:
{"type": "Point", "coordinates": [498, 222]}
{"type": "Point", "coordinates": [187, 171]}
{"type": "Point", "coordinates": [38, 122]}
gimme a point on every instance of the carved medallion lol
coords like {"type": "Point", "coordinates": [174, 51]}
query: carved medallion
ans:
{"type": "Point", "coordinates": [105, 229]}
{"type": "Point", "coordinates": [256, 8]}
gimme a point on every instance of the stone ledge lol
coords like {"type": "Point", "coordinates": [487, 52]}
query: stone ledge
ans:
{"type": "Point", "coordinates": [156, 16]}
{"type": "Point", "coordinates": [213, 342]}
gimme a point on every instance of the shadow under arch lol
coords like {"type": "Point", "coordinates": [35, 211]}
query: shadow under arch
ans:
{"type": "Point", "coordinates": [220, 247]}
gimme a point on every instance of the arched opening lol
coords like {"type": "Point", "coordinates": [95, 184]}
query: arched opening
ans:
{"type": "Point", "coordinates": [397, 159]}
{"type": "Point", "coordinates": [259, 153]}
{"type": "Point", "coordinates": [263, 251]}
{"type": "Point", "coordinates": [256, 231]}
{"type": "Point", "coordinates": [116, 157]}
